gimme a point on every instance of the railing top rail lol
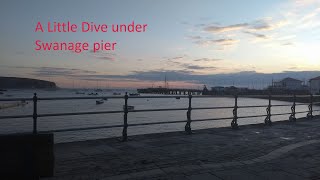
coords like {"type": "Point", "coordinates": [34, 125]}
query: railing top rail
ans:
{"type": "Point", "coordinates": [150, 97]}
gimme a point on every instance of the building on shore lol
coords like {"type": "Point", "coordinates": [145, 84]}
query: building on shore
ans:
{"type": "Point", "coordinates": [288, 84]}
{"type": "Point", "coordinates": [315, 85]}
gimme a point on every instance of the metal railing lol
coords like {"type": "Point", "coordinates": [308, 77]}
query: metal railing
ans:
{"type": "Point", "coordinates": [189, 109]}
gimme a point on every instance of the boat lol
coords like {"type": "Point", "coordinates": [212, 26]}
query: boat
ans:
{"type": "Point", "coordinates": [116, 94]}
{"type": "Point", "coordinates": [134, 94]}
{"type": "Point", "coordinates": [94, 94]}
{"type": "Point", "coordinates": [100, 101]}
{"type": "Point", "coordinates": [80, 92]}
{"type": "Point", "coordinates": [130, 108]}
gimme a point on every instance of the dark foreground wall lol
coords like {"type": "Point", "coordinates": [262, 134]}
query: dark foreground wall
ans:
{"type": "Point", "coordinates": [26, 83]}
{"type": "Point", "coordinates": [26, 156]}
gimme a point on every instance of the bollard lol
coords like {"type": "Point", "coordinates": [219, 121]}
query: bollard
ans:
{"type": "Point", "coordinates": [267, 120]}
{"type": "Point", "coordinates": [187, 128]}
{"type": "Point", "coordinates": [310, 107]}
{"type": "Point", "coordinates": [125, 119]}
{"type": "Point", "coordinates": [234, 122]}
{"type": "Point", "coordinates": [35, 114]}
{"type": "Point", "coordinates": [292, 116]}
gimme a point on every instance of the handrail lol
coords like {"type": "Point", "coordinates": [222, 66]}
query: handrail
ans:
{"type": "Point", "coordinates": [126, 110]}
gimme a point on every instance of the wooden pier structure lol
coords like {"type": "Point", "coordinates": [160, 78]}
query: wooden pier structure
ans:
{"type": "Point", "coordinates": [173, 91]}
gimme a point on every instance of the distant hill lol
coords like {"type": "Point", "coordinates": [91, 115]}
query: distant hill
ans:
{"type": "Point", "coordinates": [25, 83]}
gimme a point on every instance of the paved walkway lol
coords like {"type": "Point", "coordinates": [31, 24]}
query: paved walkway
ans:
{"type": "Point", "coordinates": [283, 151]}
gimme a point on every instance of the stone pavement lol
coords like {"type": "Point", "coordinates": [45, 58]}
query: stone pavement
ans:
{"type": "Point", "coordinates": [285, 150]}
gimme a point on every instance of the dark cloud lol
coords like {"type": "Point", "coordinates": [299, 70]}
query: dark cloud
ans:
{"type": "Point", "coordinates": [218, 29]}
{"type": "Point", "coordinates": [260, 25]}
{"type": "Point", "coordinates": [206, 60]}
{"type": "Point", "coordinates": [219, 42]}
{"type": "Point", "coordinates": [257, 35]}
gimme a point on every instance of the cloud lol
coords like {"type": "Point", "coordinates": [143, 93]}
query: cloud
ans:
{"type": "Point", "coordinates": [219, 29]}
{"type": "Point", "coordinates": [219, 42]}
{"type": "Point", "coordinates": [194, 37]}
{"type": "Point", "coordinates": [196, 67]}
{"type": "Point", "coordinates": [257, 35]}
{"type": "Point", "coordinates": [56, 71]}
{"type": "Point", "coordinates": [206, 60]}
{"type": "Point", "coordinates": [103, 55]}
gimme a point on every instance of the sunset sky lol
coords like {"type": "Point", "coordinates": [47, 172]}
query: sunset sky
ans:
{"type": "Point", "coordinates": [184, 40]}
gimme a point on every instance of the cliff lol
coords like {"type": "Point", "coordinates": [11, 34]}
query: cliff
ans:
{"type": "Point", "coordinates": [25, 83]}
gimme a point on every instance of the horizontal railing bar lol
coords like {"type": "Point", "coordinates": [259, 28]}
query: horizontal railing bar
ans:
{"type": "Point", "coordinates": [211, 119]}
{"type": "Point", "coordinates": [74, 98]}
{"type": "Point", "coordinates": [154, 123]}
{"type": "Point", "coordinates": [78, 113]}
{"type": "Point", "coordinates": [241, 117]}
{"type": "Point", "coordinates": [301, 112]}
{"type": "Point", "coordinates": [281, 105]}
{"type": "Point", "coordinates": [16, 117]}
{"type": "Point", "coordinates": [200, 108]}
{"type": "Point", "coordinates": [16, 99]}
{"type": "Point", "coordinates": [252, 106]}
{"type": "Point", "coordinates": [151, 110]}
{"type": "Point", "coordinates": [81, 129]}
{"type": "Point", "coordinates": [279, 114]}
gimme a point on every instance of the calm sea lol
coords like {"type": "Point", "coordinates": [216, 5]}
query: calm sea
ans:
{"type": "Point", "coordinates": [53, 123]}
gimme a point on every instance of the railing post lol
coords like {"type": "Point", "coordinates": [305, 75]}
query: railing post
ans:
{"type": "Point", "coordinates": [187, 128]}
{"type": "Point", "coordinates": [125, 118]}
{"type": "Point", "coordinates": [292, 116]}
{"type": "Point", "coordinates": [234, 122]}
{"type": "Point", "coordinates": [310, 107]}
{"type": "Point", "coordinates": [268, 121]}
{"type": "Point", "coordinates": [35, 114]}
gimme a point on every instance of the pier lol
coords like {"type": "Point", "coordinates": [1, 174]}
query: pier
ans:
{"type": "Point", "coordinates": [172, 91]}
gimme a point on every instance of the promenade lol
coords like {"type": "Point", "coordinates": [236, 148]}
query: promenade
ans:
{"type": "Point", "coordinates": [285, 150]}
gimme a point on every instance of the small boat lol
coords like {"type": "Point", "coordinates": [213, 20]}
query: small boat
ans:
{"type": "Point", "coordinates": [116, 94]}
{"type": "Point", "coordinates": [100, 101]}
{"type": "Point", "coordinates": [134, 94]}
{"type": "Point", "coordinates": [130, 108]}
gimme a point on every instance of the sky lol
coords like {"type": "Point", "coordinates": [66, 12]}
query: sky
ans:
{"type": "Point", "coordinates": [191, 43]}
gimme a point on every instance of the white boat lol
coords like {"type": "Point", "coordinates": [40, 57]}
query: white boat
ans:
{"type": "Point", "coordinates": [100, 101]}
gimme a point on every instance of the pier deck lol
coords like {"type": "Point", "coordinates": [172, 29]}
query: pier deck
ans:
{"type": "Point", "coordinates": [286, 150]}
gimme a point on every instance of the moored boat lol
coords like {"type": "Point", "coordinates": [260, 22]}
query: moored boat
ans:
{"type": "Point", "coordinates": [100, 101]}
